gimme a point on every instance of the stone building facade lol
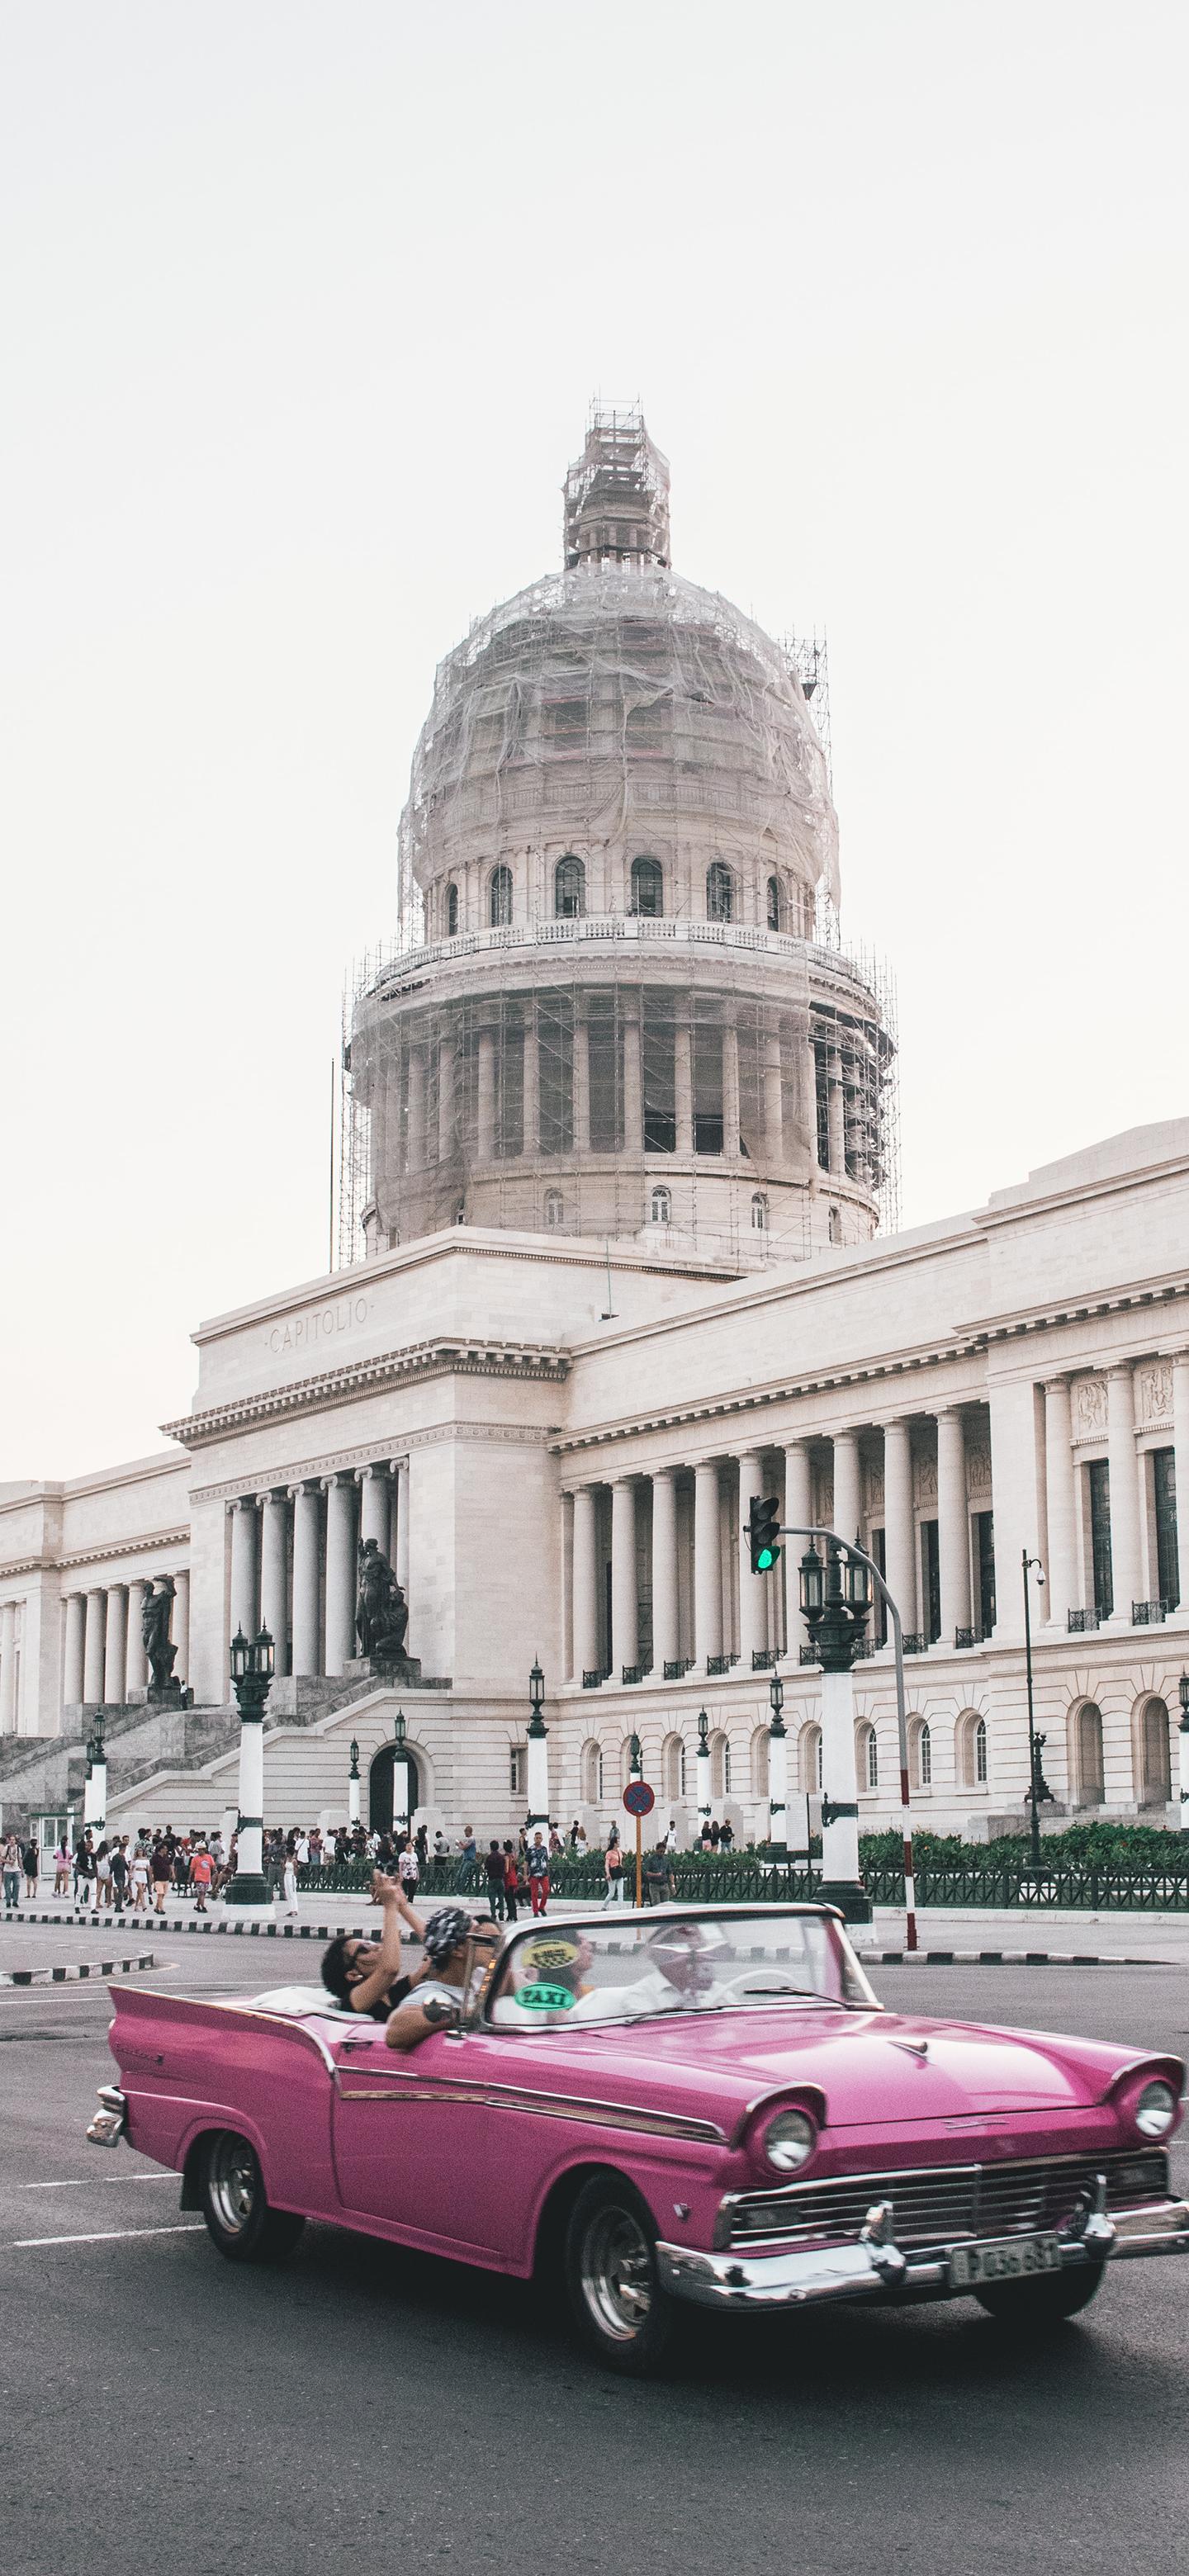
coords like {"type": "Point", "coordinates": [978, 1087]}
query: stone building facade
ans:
{"type": "Point", "coordinates": [620, 1272]}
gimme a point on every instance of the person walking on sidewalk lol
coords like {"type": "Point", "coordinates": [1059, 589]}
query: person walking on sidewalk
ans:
{"type": "Point", "coordinates": [512, 1886]}
{"type": "Point", "coordinates": [84, 1871]}
{"type": "Point", "coordinates": [62, 1867]}
{"type": "Point", "coordinates": [119, 1869]}
{"type": "Point", "coordinates": [613, 1870]}
{"type": "Point", "coordinates": [289, 1879]}
{"type": "Point", "coordinates": [538, 1873]}
{"type": "Point", "coordinates": [31, 1861]}
{"type": "Point", "coordinates": [10, 1861]}
{"type": "Point", "coordinates": [202, 1871]}
{"type": "Point", "coordinates": [494, 1867]}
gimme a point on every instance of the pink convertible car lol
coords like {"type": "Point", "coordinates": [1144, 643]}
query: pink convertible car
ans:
{"type": "Point", "coordinates": [701, 2104]}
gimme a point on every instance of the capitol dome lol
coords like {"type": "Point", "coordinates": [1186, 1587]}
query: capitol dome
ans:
{"type": "Point", "coordinates": [608, 1012]}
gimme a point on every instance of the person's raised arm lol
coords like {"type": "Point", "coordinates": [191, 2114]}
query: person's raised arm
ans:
{"type": "Point", "coordinates": [373, 1988]}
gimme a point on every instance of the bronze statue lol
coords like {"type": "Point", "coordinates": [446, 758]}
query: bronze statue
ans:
{"type": "Point", "coordinates": [381, 1610]}
{"type": "Point", "coordinates": [155, 1616]}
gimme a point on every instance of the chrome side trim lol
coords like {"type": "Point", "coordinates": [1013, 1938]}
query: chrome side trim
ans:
{"type": "Point", "coordinates": [402, 2089]}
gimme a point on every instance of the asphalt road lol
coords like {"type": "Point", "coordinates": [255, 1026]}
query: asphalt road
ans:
{"type": "Point", "coordinates": [366, 2407]}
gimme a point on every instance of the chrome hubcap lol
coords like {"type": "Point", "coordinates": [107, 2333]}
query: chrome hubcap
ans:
{"type": "Point", "coordinates": [234, 2184]}
{"type": "Point", "coordinates": [617, 2273]}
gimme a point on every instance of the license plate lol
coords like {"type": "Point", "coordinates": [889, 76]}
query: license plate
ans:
{"type": "Point", "coordinates": [1003, 2258]}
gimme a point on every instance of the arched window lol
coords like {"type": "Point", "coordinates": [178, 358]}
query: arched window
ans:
{"type": "Point", "coordinates": [980, 1754]}
{"type": "Point", "coordinates": [720, 892]}
{"type": "Point", "coordinates": [760, 1763]}
{"type": "Point", "coordinates": [811, 1759]}
{"type": "Point", "coordinates": [773, 903]}
{"type": "Point", "coordinates": [1155, 1767]}
{"type": "Point", "coordinates": [868, 1762]}
{"type": "Point", "coordinates": [673, 1768]}
{"type": "Point", "coordinates": [592, 1773]}
{"type": "Point", "coordinates": [554, 1208]}
{"type": "Point", "coordinates": [921, 1754]}
{"type": "Point", "coordinates": [1088, 1763]}
{"type": "Point", "coordinates": [451, 912]}
{"type": "Point", "coordinates": [648, 887]}
{"type": "Point", "coordinates": [569, 888]}
{"type": "Point", "coordinates": [720, 1767]}
{"type": "Point", "coordinates": [759, 1212]}
{"type": "Point", "coordinates": [835, 1225]}
{"type": "Point", "coordinates": [662, 1206]}
{"type": "Point", "coordinates": [972, 1751]}
{"type": "Point", "coordinates": [499, 908]}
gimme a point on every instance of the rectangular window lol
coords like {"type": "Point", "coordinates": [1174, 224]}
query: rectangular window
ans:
{"type": "Point", "coordinates": [931, 1580]}
{"type": "Point", "coordinates": [984, 1545]}
{"type": "Point", "coordinates": [1099, 1475]}
{"type": "Point", "coordinates": [879, 1550]}
{"type": "Point", "coordinates": [518, 1771]}
{"type": "Point", "coordinates": [1164, 1497]}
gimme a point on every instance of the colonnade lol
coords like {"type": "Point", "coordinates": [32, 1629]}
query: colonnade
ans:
{"type": "Point", "coordinates": [1115, 1417]}
{"type": "Point", "coordinates": [294, 1559]}
{"type": "Point", "coordinates": [10, 1663]}
{"type": "Point", "coordinates": [103, 1655]}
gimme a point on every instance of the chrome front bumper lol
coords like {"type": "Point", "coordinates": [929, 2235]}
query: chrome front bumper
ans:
{"type": "Point", "coordinates": [876, 2268]}
{"type": "Point", "coordinates": [109, 2124]}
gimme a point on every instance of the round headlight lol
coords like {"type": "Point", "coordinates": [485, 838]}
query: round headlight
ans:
{"type": "Point", "coordinates": [1155, 2110]}
{"type": "Point", "coordinates": [789, 2140]}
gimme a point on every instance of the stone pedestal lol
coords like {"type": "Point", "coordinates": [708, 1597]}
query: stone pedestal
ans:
{"type": "Point", "coordinates": [163, 1694]}
{"type": "Point", "coordinates": [403, 1669]}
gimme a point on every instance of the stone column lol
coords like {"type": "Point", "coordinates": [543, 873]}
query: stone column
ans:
{"type": "Point", "coordinates": [340, 1572]}
{"type": "Point", "coordinates": [707, 1563]}
{"type": "Point", "coordinates": [586, 1583]}
{"type": "Point", "coordinates": [485, 1141]}
{"type": "Point", "coordinates": [1126, 1562]}
{"type": "Point", "coordinates": [730, 1087]}
{"type": "Point", "coordinates": [625, 1644]}
{"type": "Point", "coordinates": [683, 1090]}
{"type": "Point", "coordinates": [93, 1647]}
{"type": "Point", "coordinates": [181, 1624]}
{"type": "Point", "coordinates": [753, 1588]}
{"type": "Point", "coordinates": [1180, 1433]}
{"type": "Point", "coordinates": [136, 1662]}
{"type": "Point", "coordinates": [115, 1645]}
{"type": "Point", "coordinates": [400, 1535]}
{"type": "Point", "coordinates": [245, 1612]}
{"type": "Point", "coordinates": [374, 1514]}
{"type": "Point", "coordinates": [899, 1531]}
{"type": "Point", "coordinates": [807, 1092]}
{"type": "Point", "coordinates": [72, 1660]}
{"type": "Point", "coordinates": [581, 1087]}
{"type": "Point", "coordinates": [836, 1108]}
{"type": "Point", "coordinates": [797, 1500]}
{"type": "Point", "coordinates": [664, 1570]}
{"type": "Point", "coordinates": [953, 1524]}
{"type": "Point", "coordinates": [848, 1491]}
{"type": "Point", "coordinates": [773, 1097]}
{"type": "Point", "coordinates": [306, 1552]}
{"type": "Point", "coordinates": [445, 1099]}
{"type": "Point", "coordinates": [840, 1841]}
{"type": "Point", "coordinates": [1061, 1568]}
{"type": "Point", "coordinates": [532, 1084]}
{"type": "Point", "coordinates": [8, 1668]}
{"type": "Point", "coordinates": [274, 1574]}
{"type": "Point", "coordinates": [633, 1109]}
{"type": "Point", "coordinates": [415, 1158]}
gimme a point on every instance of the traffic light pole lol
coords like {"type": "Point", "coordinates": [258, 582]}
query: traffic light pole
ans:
{"type": "Point", "coordinates": [793, 1529]}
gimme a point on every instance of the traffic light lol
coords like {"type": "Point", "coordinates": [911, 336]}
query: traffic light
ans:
{"type": "Point", "coordinates": [763, 1524]}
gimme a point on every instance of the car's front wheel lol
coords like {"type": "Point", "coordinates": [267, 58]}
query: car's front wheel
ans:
{"type": "Point", "coordinates": [611, 2274]}
{"type": "Point", "coordinates": [235, 2204]}
{"type": "Point", "coordinates": [1046, 2300]}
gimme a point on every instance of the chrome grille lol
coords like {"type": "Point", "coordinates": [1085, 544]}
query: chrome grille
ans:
{"type": "Point", "coordinates": [941, 2203]}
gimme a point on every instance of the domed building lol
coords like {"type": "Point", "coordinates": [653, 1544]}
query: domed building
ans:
{"type": "Point", "coordinates": [608, 1013]}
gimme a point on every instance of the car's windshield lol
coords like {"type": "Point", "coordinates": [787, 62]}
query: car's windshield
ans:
{"type": "Point", "coordinates": [643, 1968]}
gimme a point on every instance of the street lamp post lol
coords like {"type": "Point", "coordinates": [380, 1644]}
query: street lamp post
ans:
{"type": "Point", "coordinates": [537, 1783]}
{"type": "Point", "coordinates": [400, 1799]}
{"type": "Point", "coordinates": [835, 1604]}
{"type": "Point", "coordinates": [252, 1667]}
{"type": "Point", "coordinates": [95, 1790]}
{"type": "Point", "coordinates": [1036, 1788]}
{"type": "Point", "coordinates": [353, 1785]}
{"type": "Point", "coordinates": [778, 1773]}
{"type": "Point", "coordinates": [814, 1531]}
{"type": "Point", "coordinates": [702, 1767]}
{"type": "Point", "coordinates": [1183, 1749]}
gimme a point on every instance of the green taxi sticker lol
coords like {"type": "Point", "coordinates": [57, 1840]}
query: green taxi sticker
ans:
{"type": "Point", "coordinates": [545, 1998]}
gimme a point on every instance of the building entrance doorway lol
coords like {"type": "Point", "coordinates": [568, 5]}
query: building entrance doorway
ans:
{"type": "Point", "coordinates": [393, 1790]}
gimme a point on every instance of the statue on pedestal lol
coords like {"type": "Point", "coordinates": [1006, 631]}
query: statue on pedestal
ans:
{"type": "Point", "coordinates": [381, 1610]}
{"type": "Point", "coordinates": [155, 1616]}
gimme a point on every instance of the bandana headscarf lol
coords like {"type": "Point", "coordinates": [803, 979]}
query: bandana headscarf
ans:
{"type": "Point", "coordinates": [445, 1930]}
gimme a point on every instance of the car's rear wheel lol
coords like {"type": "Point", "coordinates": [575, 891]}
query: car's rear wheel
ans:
{"type": "Point", "coordinates": [615, 2293]}
{"type": "Point", "coordinates": [1044, 2301]}
{"type": "Point", "coordinates": [235, 2204]}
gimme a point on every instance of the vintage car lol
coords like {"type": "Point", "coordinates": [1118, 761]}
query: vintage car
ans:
{"type": "Point", "coordinates": [702, 2103]}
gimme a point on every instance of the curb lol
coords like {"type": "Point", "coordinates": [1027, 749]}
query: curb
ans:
{"type": "Point", "coordinates": [1006, 1959]}
{"type": "Point", "coordinates": [208, 1923]}
{"type": "Point", "coordinates": [84, 1968]}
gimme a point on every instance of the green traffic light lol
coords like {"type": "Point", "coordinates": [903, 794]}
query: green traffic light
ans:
{"type": "Point", "coordinates": [765, 1558]}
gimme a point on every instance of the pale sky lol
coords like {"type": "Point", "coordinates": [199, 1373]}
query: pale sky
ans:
{"type": "Point", "coordinates": [302, 308]}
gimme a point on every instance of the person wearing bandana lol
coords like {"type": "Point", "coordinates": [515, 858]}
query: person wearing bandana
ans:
{"type": "Point", "coordinates": [435, 2002]}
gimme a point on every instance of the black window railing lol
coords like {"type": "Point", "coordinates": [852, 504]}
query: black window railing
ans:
{"type": "Point", "coordinates": [808, 1655]}
{"type": "Point", "coordinates": [681, 1665]}
{"type": "Point", "coordinates": [630, 1673]}
{"type": "Point", "coordinates": [916, 1642]}
{"type": "Point", "coordinates": [592, 1681]}
{"type": "Point", "coordinates": [1148, 1614]}
{"type": "Point", "coordinates": [717, 1665]}
{"type": "Point", "coordinates": [763, 1659]}
{"type": "Point", "coordinates": [1081, 1622]}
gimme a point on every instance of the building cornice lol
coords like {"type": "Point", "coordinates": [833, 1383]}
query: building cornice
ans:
{"type": "Point", "coordinates": [105, 1555]}
{"type": "Point", "coordinates": [522, 1362]}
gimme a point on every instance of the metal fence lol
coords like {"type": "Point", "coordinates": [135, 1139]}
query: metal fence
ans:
{"type": "Point", "coordinates": [702, 1879]}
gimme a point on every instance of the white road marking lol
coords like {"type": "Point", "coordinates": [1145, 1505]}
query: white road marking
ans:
{"type": "Point", "coordinates": [75, 2183]}
{"type": "Point", "coordinates": [108, 2235]}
